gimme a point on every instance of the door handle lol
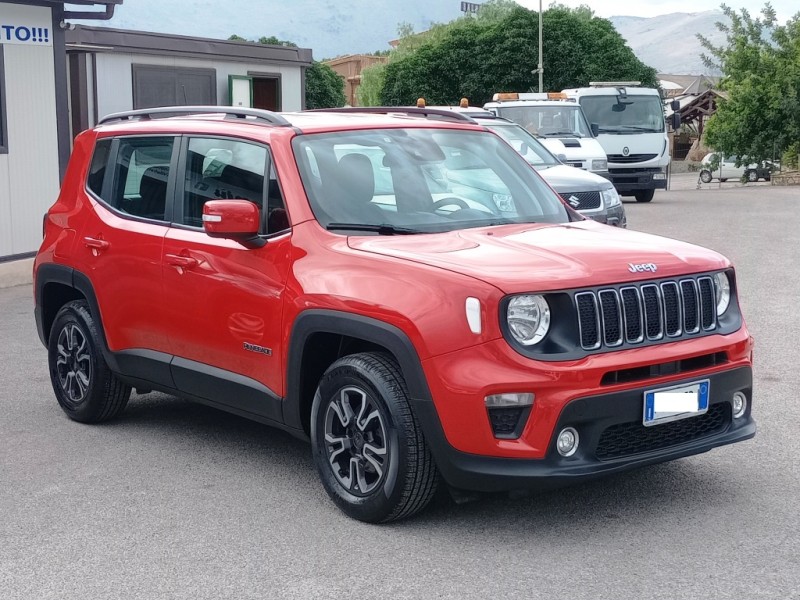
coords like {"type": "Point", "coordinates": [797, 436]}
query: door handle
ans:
{"type": "Point", "coordinates": [96, 245]}
{"type": "Point", "coordinates": [183, 262]}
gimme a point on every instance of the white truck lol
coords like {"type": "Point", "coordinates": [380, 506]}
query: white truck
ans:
{"type": "Point", "coordinates": [630, 125]}
{"type": "Point", "coordinates": [558, 123]}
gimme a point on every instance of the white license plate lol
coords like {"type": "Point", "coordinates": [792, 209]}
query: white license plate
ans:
{"type": "Point", "coordinates": [677, 402]}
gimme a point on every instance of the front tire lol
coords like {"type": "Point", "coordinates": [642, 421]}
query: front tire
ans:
{"type": "Point", "coordinates": [84, 386]}
{"type": "Point", "coordinates": [367, 443]}
{"type": "Point", "coordinates": [752, 176]}
{"type": "Point", "coordinates": [705, 176]}
{"type": "Point", "coordinates": [644, 195]}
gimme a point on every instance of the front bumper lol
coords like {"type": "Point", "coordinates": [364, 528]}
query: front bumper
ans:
{"type": "Point", "coordinates": [603, 422]}
{"type": "Point", "coordinates": [614, 216]}
{"type": "Point", "coordinates": [627, 179]}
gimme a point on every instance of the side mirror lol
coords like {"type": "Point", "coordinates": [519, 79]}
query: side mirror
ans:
{"type": "Point", "coordinates": [233, 219]}
{"type": "Point", "coordinates": [595, 129]}
{"type": "Point", "coordinates": [676, 121]}
{"type": "Point", "coordinates": [561, 157]}
{"type": "Point", "coordinates": [675, 105]}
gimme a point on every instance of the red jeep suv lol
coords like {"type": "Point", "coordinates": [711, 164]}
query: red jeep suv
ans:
{"type": "Point", "coordinates": [396, 285]}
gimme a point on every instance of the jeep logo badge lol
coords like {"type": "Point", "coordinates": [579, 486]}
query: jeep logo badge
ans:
{"type": "Point", "coordinates": [642, 268]}
{"type": "Point", "coordinates": [626, 151]}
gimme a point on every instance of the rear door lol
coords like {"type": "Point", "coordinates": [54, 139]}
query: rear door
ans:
{"type": "Point", "coordinates": [122, 242]}
{"type": "Point", "coordinates": [223, 301]}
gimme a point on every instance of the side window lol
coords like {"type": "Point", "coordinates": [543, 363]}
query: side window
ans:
{"type": "Point", "coordinates": [141, 173]}
{"type": "Point", "coordinates": [218, 169]}
{"type": "Point", "coordinates": [277, 217]}
{"type": "Point", "coordinates": [97, 170]}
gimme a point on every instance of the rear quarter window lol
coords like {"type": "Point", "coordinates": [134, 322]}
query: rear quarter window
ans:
{"type": "Point", "coordinates": [98, 167]}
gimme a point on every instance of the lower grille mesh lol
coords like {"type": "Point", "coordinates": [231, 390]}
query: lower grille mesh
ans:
{"type": "Point", "coordinates": [626, 439]}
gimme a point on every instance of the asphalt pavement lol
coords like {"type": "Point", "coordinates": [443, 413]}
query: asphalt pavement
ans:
{"type": "Point", "coordinates": [177, 500]}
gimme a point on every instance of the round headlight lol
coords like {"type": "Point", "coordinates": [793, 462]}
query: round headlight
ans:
{"type": "Point", "coordinates": [722, 288]}
{"type": "Point", "coordinates": [528, 319]}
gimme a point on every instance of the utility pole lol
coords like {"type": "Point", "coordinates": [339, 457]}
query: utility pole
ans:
{"type": "Point", "coordinates": [541, 68]}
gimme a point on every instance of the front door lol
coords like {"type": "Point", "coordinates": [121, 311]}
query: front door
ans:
{"type": "Point", "coordinates": [223, 301]}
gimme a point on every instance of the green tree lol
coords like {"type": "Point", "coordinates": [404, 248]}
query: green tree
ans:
{"type": "Point", "coordinates": [369, 91]}
{"type": "Point", "coordinates": [760, 64]}
{"type": "Point", "coordinates": [497, 50]}
{"type": "Point", "coordinates": [324, 87]}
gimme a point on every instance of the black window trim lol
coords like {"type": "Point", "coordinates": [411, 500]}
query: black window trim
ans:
{"type": "Point", "coordinates": [110, 176]}
{"type": "Point", "coordinates": [175, 192]}
{"type": "Point", "coordinates": [3, 119]}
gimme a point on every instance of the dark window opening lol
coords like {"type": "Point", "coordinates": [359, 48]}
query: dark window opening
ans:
{"type": "Point", "coordinates": [168, 86]}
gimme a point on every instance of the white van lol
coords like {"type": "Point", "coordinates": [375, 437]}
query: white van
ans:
{"type": "Point", "coordinates": [558, 123]}
{"type": "Point", "coordinates": [632, 130]}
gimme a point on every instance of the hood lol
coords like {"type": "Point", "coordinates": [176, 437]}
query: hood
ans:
{"type": "Point", "coordinates": [546, 257]}
{"type": "Point", "coordinates": [588, 148]}
{"type": "Point", "coordinates": [569, 179]}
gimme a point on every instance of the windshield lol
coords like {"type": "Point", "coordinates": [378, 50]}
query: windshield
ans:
{"type": "Point", "coordinates": [393, 181]}
{"type": "Point", "coordinates": [565, 120]}
{"type": "Point", "coordinates": [632, 114]}
{"type": "Point", "coordinates": [523, 142]}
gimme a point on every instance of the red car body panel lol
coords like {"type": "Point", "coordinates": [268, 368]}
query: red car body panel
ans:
{"type": "Point", "coordinates": [217, 296]}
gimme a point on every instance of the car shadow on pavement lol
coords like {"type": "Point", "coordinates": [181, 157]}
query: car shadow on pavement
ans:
{"type": "Point", "coordinates": [657, 492]}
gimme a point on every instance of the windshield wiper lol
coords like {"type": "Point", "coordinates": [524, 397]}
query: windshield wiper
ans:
{"type": "Point", "coordinates": [383, 229]}
{"type": "Point", "coordinates": [569, 133]}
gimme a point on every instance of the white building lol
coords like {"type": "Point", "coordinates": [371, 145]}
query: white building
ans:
{"type": "Point", "coordinates": [58, 79]}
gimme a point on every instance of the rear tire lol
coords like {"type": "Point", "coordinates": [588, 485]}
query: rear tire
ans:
{"type": "Point", "coordinates": [705, 176]}
{"type": "Point", "coordinates": [752, 176]}
{"type": "Point", "coordinates": [644, 195]}
{"type": "Point", "coordinates": [85, 387]}
{"type": "Point", "coordinates": [367, 443]}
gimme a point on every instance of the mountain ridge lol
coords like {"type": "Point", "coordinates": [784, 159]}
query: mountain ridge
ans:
{"type": "Point", "coordinates": [667, 42]}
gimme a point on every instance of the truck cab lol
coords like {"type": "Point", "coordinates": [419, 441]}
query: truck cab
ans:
{"type": "Point", "coordinates": [559, 124]}
{"type": "Point", "coordinates": [632, 130]}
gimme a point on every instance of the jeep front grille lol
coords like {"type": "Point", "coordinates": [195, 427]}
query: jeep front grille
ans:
{"type": "Point", "coordinates": [631, 314]}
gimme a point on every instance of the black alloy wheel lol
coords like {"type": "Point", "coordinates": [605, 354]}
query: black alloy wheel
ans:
{"type": "Point", "coordinates": [368, 446]}
{"type": "Point", "coordinates": [86, 389]}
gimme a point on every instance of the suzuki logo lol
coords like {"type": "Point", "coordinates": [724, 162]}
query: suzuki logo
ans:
{"type": "Point", "coordinates": [574, 201]}
{"type": "Point", "coordinates": [642, 268]}
{"type": "Point", "coordinates": [626, 151]}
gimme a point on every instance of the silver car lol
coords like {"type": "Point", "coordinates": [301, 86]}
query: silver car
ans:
{"type": "Point", "coordinates": [589, 194]}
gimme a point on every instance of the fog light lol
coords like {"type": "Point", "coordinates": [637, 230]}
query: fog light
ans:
{"type": "Point", "coordinates": [508, 413]}
{"type": "Point", "coordinates": [567, 442]}
{"type": "Point", "coordinates": [739, 405]}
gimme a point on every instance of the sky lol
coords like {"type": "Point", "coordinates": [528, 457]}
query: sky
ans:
{"type": "Point", "coordinates": [652, 8]}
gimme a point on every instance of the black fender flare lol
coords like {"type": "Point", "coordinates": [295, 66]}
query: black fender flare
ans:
{"type": "Point", "coordinates": [70, 277]}
{"type": "Point", "coordinates": [364, 328]}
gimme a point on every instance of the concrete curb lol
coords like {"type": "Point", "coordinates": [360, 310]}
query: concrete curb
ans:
{"type": "Point", "coordinates": [17, 272]}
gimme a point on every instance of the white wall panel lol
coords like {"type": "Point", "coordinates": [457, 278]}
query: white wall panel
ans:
{"type": "Point", "coordinates": [32, 160]}
{"type": "Point", "coordinates": [115, 78]}
{"type": "Point", "coordinates": [5, 208]}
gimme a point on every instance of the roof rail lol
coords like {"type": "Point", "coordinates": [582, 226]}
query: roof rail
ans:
{"type": "Point", "coordinates": [265, 116]}
{"type": "Point", "coordinates": [437, 113]}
